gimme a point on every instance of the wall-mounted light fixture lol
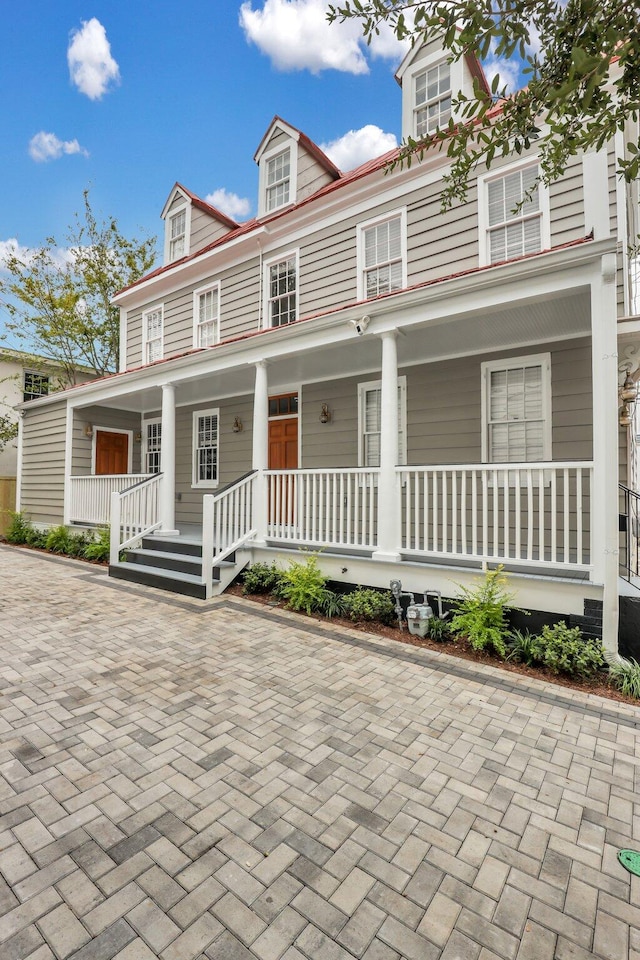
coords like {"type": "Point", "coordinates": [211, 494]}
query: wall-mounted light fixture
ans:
{"type": "Point", "coordinates": [628, 396]}
{"type": "Point", "coordinates": [138, 437]}
{"type": "Point", "coordinates": [88, 429]}
{"type": "Point", "coordinates": [237, 425]}
{"type": "Point", "coordinates": [325, 414]}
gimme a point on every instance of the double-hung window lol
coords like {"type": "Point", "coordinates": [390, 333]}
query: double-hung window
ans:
{"type": "Point", "coordinates": [152, 323]}
{"type": "Point", "coordinates": [153, 446]}
{"type": "Point", "coordinates": [282, 291]}
{"type": "Point", "coordinates": [205, 447]}
{"type": "Point", "coordinates": [515, 214]}
{"type": "Point", "coordinates": [278, 185]}
{"type": "Point", "coordinates": [516, 410]}
{"type": "Point", "coordinates": [177, 235]}
{"type": "Point", "coordinates": [35, 385]}
{"type": "Point", "coordinates": [369, 422]}
{"type": "Point", "coordinates": [432, 102]}
{"type": "Point", "coordinates": [382, 260]}
{"type": "Point", "coordinates": [206, 312]}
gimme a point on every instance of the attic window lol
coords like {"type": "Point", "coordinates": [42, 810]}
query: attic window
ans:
{"type": "Point", "coordinates": [278, 180]}
{"type": "Point", "coordinates": [177, 235]}
{"type": "Point", "coordinates": [432, 104]}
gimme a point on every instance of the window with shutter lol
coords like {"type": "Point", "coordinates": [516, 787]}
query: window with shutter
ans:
{"type": "Point", "coordinates": [205, 448]}
{"type": "Point", "coordinates": [382, 256]}
{"type": "Point", "coordinates": [517, 410]}
{"type": "Point", "coordinates": [152, 323]}
{"type": "Point", "coordinates": [369, 398]}
{"type": "Point", "coordinates": [514, 214]}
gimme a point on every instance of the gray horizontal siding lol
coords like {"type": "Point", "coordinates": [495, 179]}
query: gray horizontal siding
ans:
{"type": "Point", "coordinates": [311, 175]}
{"type": "Point", "coordinates": [204, 230]}
{"type": "Point", "coordinates": [566, 200]}
{"type": "Point", "coordinates": [43, 463]}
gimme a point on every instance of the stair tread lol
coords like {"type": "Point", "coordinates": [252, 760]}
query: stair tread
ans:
{"type": "Point", "coordinates": [161, 572]}
{"type": "Point", "coordinates": [164, 555]}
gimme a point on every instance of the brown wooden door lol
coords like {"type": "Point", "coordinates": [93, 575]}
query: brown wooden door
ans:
{"type": "Point", "coordinates": [112, 452]}
{"type": "Point", "coordinates": [283, 455]}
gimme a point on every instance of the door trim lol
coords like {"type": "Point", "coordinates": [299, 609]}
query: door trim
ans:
{"type": "Point", "coordinates": [96, 430]}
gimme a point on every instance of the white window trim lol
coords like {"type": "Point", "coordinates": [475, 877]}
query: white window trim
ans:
{"type": "Point", "coordinates": [532, 360]}
{"type": "Point", "coordinates": [292, 146]}
{"type": "Point", "coordinates": [373, 385]}
{"type": "Point", "coordinates": [145, 340]}
{"type": "Point", "coordinates": [266, 299]}
{"type": "Point", "coordinates": [483, 207]}
{"type": "Point", "coordinates": [186, 208]}
{"type": "Point", "coordinates": [196, 483]}
{"type": "Point", "coordinates": [196, 325]}
{"type": "Point", "coordinates": [94, 439]}
{"type": "Point", "coordinates": [35, 373]}
{"type": "Point", "coordinates": [409, 87]}
{"type": "Point", "coordinates": [145, 442]}
{"type": "Point", "coordinates": [360, 232]}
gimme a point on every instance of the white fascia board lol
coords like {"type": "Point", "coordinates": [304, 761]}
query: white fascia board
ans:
{"type": "Point", "coordinates": [280, 125]}
{"type": "Point", "coordinates": [175, 192]}
{"type": "Point", "coordinates": [523, 280]}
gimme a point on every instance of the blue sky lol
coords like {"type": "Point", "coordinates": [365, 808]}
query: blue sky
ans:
{"type": "Point", "coordinates": [127, 98]}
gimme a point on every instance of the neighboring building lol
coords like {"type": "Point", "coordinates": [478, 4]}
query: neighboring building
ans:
{"type": "Point", "coordinates": [415, 392]}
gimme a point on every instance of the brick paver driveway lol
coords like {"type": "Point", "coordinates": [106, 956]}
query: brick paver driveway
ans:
{"type": "Point", "coordinates": [188, 780]}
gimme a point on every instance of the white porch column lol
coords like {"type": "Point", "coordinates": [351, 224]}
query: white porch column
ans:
{"type": "Point", "coordinates": [260, 452]}
{"type": "Point", "coordinates": [604, 496]}
{"type": "Point", "coordinates": [388, 486]}
{"type": "Point", "coordinates": [168, 462]}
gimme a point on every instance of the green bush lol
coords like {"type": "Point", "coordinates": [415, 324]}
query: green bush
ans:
{"type": "Point", "coordinates": [304, 586]}
{"type": "Point", "coordinates": [480, 613]}
{"type": "Point", "coordinates": [625, 676]}
{"type": "Point", "coordinates": [58, 540]}
{"type": "Point", "coordinates": [438, 630]}
{"type": "Point", "coordinates": [98, 549]}
{"type": "Point", "coordinates": [19, 528]}
{"type": "Point", "coordinates": [37, 538]}
{"type": "Point", "coordinates": [260, 578]}
{"type": "Point", "coordinates": [563, 649]}
{"type": "Point", "coordinates": [370, 605]}
{"type": "Point", "coordinates": [523, 647]}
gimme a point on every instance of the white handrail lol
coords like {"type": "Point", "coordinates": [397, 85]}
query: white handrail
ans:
{"type": "Point", "coordinates": [135, 512]}
{"type": "Point", "coordinates": [323, 507]}
{"type": "Point", "coordinates": [227, 523]}
{"type": "Point", "coordinates": [90, 499]}
{"type": "Point", "coordinates": [527, 514]}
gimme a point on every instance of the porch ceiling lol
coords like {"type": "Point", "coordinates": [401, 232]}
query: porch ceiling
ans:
{"type": "Point", "coordinates": [421, 341]}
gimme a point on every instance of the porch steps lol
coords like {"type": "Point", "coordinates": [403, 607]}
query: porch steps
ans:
{"type": "Point", "coordinates": [173, 564]}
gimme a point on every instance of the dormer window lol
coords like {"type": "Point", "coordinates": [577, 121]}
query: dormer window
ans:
{"type": "Point", "coordinates": [432, 99]}
{"type": "Point", "coordinates": [177, 235]}
{"type": "Point", "coordinates": [278, 180]}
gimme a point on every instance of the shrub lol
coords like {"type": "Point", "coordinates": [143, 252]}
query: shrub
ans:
{"type": "Point", "coordinates": [304, 586]}
{"type": "Point", "coordinates": [332, 604]}
{"type": "Point", "coordinates": [37, 538]}
{"type": "Point", "coordinates": [371, 605]}
{"type": "Point", "coordinates": [480, 613]}
{"type": "Point", "coordinates": [58, 540]}
{"type": "Point", "coordinates": [438, 630]}
{"type": "Point", "coordinates": [563, 649]}
{"type": "Point", "coordinates": [625, 676]}
{"type": "Point", "coordinates": [260, 578]}
{"type": "Point", "coordinates": [523, 647]}
{"type": "Point", "coordinates": [78, 543]}
{"type": "Point", "coordinates": [98, 549]}
{"type": "Point", "coordinates": [19, 528]}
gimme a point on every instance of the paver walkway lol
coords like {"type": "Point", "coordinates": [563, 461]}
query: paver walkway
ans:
{"type": "Point", "coordinates": [189, 780]}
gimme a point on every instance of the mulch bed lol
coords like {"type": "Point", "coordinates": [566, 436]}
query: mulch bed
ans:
{"type": "Point", "coordinates": [460, 647]}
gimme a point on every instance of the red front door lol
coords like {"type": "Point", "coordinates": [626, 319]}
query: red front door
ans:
{"type": "Point", "coordinates": [112, 452]}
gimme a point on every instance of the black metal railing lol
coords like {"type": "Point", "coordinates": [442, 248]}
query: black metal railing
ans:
{"type": "Point", "coordinates": [629, 527]}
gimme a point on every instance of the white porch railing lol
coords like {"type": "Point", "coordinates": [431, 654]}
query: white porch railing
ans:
{"type": "Point", "coordinates": [531, 514]}
{"type": "Point", "coordinates": [323, 507]}
{"type": "Point", "coordinates": [227, 523]}
{"type": "Point", "coordinates": [135, 512]}
{"type": "Point", "coordinates": [90, 497]}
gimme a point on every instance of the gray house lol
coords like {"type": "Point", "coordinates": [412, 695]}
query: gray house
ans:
{"type": "Point", "coordinates": [418, 393]}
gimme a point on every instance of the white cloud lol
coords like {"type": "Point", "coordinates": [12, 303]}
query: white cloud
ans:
{"type": "Point", "coordinates": [45, 146]}
{"type": "Point", "coordinates": [91, 66]}
{"type": "Point", "coordinates": [236, 207]}
{"type": "Point", "coordinates": [295, 34]}
{"type": "Point", "coordinates": [509, 71]}
{"type": "Point", "coordinates": [61, 256]}
{"type": "Point", "coordinates": [358, 146]}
